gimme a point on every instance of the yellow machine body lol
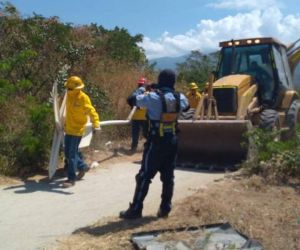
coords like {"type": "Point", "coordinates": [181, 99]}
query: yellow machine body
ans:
{"type": "Point", "coordinates": [235, 102]}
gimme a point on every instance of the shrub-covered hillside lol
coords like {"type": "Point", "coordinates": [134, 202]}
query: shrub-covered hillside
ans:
{"type": "Point", "coordinates": [36, 51]}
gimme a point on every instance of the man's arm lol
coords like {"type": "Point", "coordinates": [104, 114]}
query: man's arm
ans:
{"type": "Point", "coordinates": [92, 113]}
{"type": "Point", "coordinates": [146, 100]}
{"type": "Point", "coordinates": [131, 100]}
{"type": "Point", "coordinates": [184, 103]}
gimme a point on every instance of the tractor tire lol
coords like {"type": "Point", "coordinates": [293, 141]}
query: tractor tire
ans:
{"type": "Point", "coordinates": [269, 120]}
{"type": "Point", "coordinates": [292, 119]}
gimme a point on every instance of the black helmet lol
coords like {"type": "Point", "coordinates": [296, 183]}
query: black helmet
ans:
{"type": "Point", "coordinates": [166, 78]}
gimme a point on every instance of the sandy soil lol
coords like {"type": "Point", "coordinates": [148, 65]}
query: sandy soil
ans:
{"type": "Point", "coordinates": [269, 214]}
{"type": "Point", "coordinates": [34, 212]}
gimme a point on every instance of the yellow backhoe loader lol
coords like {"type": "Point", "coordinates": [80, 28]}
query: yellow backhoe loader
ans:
{"type": "Point", "coordinates": [251, 87]}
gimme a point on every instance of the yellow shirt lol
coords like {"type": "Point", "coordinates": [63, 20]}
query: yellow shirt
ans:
{"type": "Point", "coordinates": [139, 114]}
{"type": "Point", "coordinates": [193, 98]}
{"type": "Point", "coordinates": [78, 109]}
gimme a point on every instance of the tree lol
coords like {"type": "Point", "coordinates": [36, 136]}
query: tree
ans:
{"type": "Point", "coordinates": [196, 67]}
{"type": "Point", "coordinates": [36, 51]}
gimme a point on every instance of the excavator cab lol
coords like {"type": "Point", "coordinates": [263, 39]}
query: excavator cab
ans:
{"type": "Point", "coordinates": [265, 60]}
{"type": "Point", "coordinates": [252, 87]}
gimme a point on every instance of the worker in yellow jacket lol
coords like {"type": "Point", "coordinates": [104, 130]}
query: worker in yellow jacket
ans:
{"type": "Point", "coordinates": [193, 95]}
{"type": "Point", "coordinates": [78, 109]}
{"type": "Point", "coordinates": [139, 120]}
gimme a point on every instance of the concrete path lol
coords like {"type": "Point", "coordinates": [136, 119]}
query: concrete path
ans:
{"type": "Point", "coordinates": [35, 213]}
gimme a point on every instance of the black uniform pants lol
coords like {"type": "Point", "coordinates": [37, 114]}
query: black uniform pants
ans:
{"type": "Point", "coordinates": [159, 156]}
{"type": "Point", "coordinates": [136, 125]}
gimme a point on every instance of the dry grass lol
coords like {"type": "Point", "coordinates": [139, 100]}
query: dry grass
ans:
{"type": "Point", "coordinates": [266, 213]}
{"type": "Point", "coordinates": [8, 180]}
{"type": "Point", "coordinates": [118, 82]}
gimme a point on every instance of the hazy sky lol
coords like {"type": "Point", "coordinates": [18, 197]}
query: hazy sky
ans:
{"type": "Point", "coordinates": [175, 27]}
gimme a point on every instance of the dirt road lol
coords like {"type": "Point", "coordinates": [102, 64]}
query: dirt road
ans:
{"type": "Point", "coordinates": [35, 213]}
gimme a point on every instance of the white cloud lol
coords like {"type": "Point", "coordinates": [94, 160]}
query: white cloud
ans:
{"type": "Point", "coordinates": [208, 33]}
{"type": "Point", "coordinates": [244, 4]}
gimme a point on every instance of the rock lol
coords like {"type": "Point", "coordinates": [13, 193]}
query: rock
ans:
{"type": "Point", "coordinates": [94, 164]}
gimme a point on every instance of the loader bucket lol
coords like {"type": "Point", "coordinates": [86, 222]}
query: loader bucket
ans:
{"type": "Point", "coordinates": [212, 141]}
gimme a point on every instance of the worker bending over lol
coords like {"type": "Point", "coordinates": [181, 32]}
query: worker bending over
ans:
{"type": "Point", "coordinates": [163, 107]}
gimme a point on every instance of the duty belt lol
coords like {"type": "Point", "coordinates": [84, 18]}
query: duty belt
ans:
{"type": "Point", "coordinates": [168, 120]}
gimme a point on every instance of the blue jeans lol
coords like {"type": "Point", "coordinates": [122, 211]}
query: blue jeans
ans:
{"type": "Point", "coordinates": [136, 125]}
{"type": "Point", "coordinates": [73, 158]}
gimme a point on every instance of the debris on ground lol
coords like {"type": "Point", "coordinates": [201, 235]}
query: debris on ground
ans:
{"type": "Point", "coordinates": [212, 237]}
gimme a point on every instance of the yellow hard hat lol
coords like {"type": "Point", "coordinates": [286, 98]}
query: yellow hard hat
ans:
{"type": "Point", "coordinates": [74, 82]}
{"type": "Point", "coordinates": [193, 85]}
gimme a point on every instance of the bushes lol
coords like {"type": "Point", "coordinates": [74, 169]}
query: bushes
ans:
{"type": "Point", "coordinates": [25, 136]}
{"type": "Point", "coordinates": [36, 51]}
{"type": "Point", "coordinates": [34, 144]}
{"type": "Point", "coordinates": [276, 161]}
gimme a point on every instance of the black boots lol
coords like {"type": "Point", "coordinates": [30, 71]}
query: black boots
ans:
{"type": "Point", "coordinates": [135, 208]}
{"type": "Point", "coordinates": [162, 213]}
{"type": "Point", "coordinates": [164, 210]}
{"type": "Point", "coordinates": [133, 212]}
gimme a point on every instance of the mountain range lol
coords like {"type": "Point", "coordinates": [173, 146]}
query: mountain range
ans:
{"type": "Point", "coordinates": [167, 62]}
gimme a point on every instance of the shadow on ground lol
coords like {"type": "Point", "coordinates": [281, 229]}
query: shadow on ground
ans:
{"type": "Point", "coordinates": [115, 226]}
{"type": "Point", "coordinates": [41, 185]}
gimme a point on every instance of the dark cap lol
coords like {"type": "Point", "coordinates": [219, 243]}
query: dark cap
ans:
{"type": "Point", "coordinates": [166, 78]}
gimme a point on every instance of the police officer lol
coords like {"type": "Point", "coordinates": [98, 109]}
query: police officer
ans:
{"type": "Point", "coordinates": [163, 107]}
